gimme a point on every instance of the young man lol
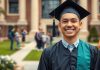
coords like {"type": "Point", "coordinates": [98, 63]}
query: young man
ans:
{"type": "Point", "coordinates": [70, 53]}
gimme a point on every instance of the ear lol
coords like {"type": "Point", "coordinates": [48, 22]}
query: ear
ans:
{"type": "Point", "coordinates": [81, 24]}
{"type": "Point", "coordinates": [59, 26]}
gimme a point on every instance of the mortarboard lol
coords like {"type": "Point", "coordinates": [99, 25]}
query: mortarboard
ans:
{"type": "Point", "coordinates": [68, 7]}
{"type": "Point", "coordinates": [69, 4]}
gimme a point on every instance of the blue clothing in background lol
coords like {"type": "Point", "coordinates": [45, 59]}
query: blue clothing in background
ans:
{"type": "Point", "coordinates": [11, 36]}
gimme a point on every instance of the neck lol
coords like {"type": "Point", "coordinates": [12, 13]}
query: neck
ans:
{"type": "Point", "coordinates": [70, 40]}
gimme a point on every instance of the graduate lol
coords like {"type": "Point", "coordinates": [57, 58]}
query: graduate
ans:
{"type": "Point", "coordinates": [70, 53]}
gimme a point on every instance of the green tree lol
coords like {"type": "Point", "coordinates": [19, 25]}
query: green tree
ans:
{"type": "Point", "coordinates": [93, 35]}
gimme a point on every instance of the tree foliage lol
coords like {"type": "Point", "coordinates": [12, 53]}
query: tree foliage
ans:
{"type": "Point", "coordinates": [93, 35]}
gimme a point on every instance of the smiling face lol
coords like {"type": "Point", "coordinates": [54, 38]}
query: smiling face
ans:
{"type": "Point", "coordinates": [70, 25]}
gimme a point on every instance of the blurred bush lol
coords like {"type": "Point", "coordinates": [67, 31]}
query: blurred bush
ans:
{"type": "Point", "coordinates": [93, 35]}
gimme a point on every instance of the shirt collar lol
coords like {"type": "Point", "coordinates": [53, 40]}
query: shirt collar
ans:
{"type": "Point", "coordinates": [66, 43]}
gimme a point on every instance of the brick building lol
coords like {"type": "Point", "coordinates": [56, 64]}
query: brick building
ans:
{"type": "Point", "coordinates": [30, 14]}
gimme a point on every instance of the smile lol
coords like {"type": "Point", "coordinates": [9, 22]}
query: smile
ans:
{"type": "Point", "coordinates": [69, 30]}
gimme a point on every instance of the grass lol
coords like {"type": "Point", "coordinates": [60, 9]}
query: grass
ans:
{"type": "Point", "coordinates": [34, 55]}
{"type": "Point", "coordinates": [5, 48]}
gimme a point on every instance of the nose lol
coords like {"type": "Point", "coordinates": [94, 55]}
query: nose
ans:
{"type": "Point", "coordinates": [69, 23]}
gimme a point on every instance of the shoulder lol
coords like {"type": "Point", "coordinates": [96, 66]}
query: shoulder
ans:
{"type": "Point", "coordinates": [93, 49]}
{"type": "Point", "coordinates": [52, 49]}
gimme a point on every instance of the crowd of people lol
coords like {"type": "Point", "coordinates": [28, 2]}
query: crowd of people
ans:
{"type": "Point", "coordinates": [16, 35]}
{"type": "Point", "coordinates": [42, 39]}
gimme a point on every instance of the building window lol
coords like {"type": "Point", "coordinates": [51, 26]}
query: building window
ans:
{"type": "Point", "coordinates": [13, 6]}
{"type": "Point", "coordinates": [48, 6]}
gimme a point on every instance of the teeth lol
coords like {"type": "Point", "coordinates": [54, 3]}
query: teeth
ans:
{"type": "Point", "coordinates": [69, 30]}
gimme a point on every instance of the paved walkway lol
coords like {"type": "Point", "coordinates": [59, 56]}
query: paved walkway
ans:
{"type": "Point", "coordinates": [21, 54]}
{"type": "Point", "coordinates": [29, 65]}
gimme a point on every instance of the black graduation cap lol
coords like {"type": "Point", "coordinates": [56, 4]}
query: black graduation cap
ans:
{"type": "Point", "coordinates": [69, 3]}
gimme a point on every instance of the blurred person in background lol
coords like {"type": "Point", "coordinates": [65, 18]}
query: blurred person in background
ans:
{"type": "Point", "coordinates": [23, 33]}
{"type": "Point", "coordinates": [38, 39]}
{"type": "Point", "coordinates": [11, 36]}
{"type": "Point", "coordinates": [17, 38]}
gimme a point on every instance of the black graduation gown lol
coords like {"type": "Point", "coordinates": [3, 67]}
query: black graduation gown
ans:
{"type": "Point", "coordinates": [60, 58]}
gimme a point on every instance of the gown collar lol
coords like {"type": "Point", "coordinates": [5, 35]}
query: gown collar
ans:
{"type": "Point", "coordinates": [66, 43]}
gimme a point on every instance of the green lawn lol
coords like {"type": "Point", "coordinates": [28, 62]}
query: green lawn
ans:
{"type": "Point", "coordinates": [34, 55]}
{"type": "Point", "coordinates": [5, 48]}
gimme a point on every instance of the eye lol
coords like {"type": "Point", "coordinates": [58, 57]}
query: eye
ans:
{"type": "Point", "coordinates": [65, 21]}
{"type": "Point", "coordinates": [74, 20]}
